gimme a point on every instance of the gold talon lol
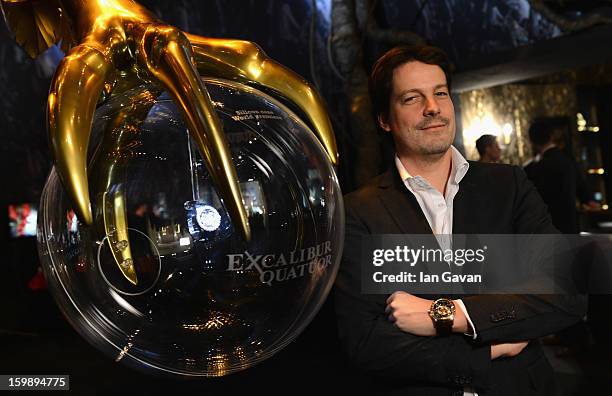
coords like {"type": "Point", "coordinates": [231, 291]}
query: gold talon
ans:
{"type": "Point", "coordinates": [115, 218]}
{"type": "Point", "coordinates": [167, 55]}
{"type": "Point", "coordinates": [117, 142]}
{"type": "Point", "coordinates": [247, 63]}
{"type": "Point", "coordinates": [75, 89]}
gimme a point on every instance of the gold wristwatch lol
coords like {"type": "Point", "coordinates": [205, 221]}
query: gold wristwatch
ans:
{"type": "Point", "coordinates": [442, 312]}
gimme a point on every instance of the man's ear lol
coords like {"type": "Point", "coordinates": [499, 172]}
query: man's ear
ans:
{"type": "Point", "coordinates": [382, 122]}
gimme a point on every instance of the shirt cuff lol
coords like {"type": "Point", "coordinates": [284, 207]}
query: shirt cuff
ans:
{"type": "Point", "coordinates": [467, 316]}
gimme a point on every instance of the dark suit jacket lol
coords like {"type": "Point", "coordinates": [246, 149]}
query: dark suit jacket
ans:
{"type": "Point", "coordinates": [492, 199]}
{"type": "Point", "coordinates": [554, 176]}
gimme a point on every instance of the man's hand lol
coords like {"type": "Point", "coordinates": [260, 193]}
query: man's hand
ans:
{"type": "Point", "coordinates": [410, 314]}
{"type": "Point", "coordinates": [508, 349]}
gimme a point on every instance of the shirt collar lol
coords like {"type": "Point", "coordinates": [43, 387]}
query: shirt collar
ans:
{"type": "Point", "coordinates": [459, 167]}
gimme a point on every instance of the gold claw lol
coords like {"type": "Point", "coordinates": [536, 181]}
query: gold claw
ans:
{"type": "Point", "coordinates": [115, 224]}
{"type": "Point", "coordinates": [246, 62]}
{"type": "Point", "coordinates": [167, 55]}
{"type": "Point", "coordinates": [107, 179]}
{"type": "Point", "coordinates": [75, 89]}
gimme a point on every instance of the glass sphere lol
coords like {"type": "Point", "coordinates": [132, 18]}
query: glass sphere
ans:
{"type": "Point", "coordinates": [201, 301]}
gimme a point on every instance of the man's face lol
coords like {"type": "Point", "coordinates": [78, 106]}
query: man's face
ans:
{"type": "Point", "coordinates": [494, 151]}
{"type": "Point", "coordinates": [421, 113]}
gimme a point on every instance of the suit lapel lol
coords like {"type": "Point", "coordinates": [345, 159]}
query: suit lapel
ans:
{"type": "Point", "coordinates": [407, 215]}
{"type": "Point", "coordinates": [401, 205]}
{"type": "Point", "coordinates": [466, 205]}
{"type": "Point", "coordinates": [405, 211]}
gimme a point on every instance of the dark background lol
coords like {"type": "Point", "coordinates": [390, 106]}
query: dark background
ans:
{"type": "Point", "coordinates": [508, 37]}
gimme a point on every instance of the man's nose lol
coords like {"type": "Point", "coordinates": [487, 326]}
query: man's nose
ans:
{"type": "Point", "coordinates": [431, 107]}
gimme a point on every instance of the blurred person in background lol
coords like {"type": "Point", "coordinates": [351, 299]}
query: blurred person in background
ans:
{"type": "Point", "coordinates": [488, 149]}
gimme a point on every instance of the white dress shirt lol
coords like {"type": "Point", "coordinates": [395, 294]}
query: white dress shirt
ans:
{"type": "Point", "coordinates": [438, 209]}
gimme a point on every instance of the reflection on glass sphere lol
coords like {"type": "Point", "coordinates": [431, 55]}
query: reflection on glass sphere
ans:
{"type": "Point", "coordinates": [163, 281]}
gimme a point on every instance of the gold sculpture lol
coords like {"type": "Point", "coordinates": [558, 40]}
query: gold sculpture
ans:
{"type": "Point", "coordinates": [112, 45]}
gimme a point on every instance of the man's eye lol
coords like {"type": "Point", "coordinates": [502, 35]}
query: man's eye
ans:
{"type": "Point", "coordinates": [441, 93]}
{"type": "Point", "coordinates": [410, 99]}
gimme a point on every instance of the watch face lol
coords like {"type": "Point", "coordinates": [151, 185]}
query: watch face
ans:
{"type": "Point", "coordinates": [208, 218]}
{"type": "Point", "coordinates": [443, 309]}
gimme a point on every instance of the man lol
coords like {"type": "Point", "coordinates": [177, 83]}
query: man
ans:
{"type": "Point", "coordinates": [488, 149]}
{"type": "Point", "coordinates": [493, 347]}
{"type": "Point", "coordinates": [554, 174]}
